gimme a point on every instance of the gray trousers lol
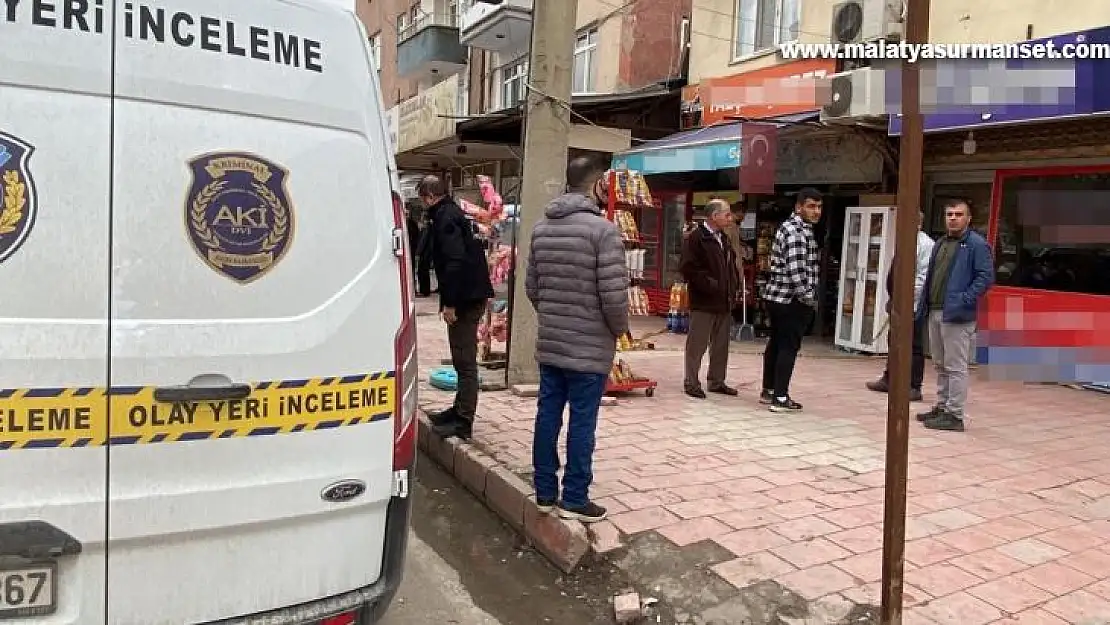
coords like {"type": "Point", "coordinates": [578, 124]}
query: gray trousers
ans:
{"type": "Point", "coordinates": [710, 331]}
{"type": "Point", "coordinates": [950, 344]}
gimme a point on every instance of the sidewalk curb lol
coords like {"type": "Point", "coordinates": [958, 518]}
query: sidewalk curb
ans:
{"type": "Point", "coordinates": [563, 542]}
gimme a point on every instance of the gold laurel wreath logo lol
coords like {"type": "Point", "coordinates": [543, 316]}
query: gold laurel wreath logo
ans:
{"type": "Point", "coordinates": [208, 236]}
{"type": "Point", "coordinates": [15, 199]}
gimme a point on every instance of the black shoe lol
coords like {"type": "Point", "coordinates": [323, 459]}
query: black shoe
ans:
{"type": "Point", "coordinates": [546, 505]}
{"type": "Point", "coordinates": [461, 428]}
{"type": "Point", "coordinates": [767, 397]}
{"type": "Point", "coordinates": [915, 395]}
{"type": "Point", "coordinates": [589, 513]}
{"type": "Point", "coordinates": [945, 421]}
{"type": "Point", "coordinates": [443, 418]}
{"type": "Point", "coordinates": [787, 405]}
{"type": "Point", "coordinates": [929, 414]}
{"type": "Point", "coordinates": [696, 393]}
{"type": "Point", "coordinates": [724, 389]}
{"type": "Point", "coordinates": [879, 386]}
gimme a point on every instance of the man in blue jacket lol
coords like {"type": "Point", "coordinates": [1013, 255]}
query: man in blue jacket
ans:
{"type": "Point", "coordinates": [960, 272]}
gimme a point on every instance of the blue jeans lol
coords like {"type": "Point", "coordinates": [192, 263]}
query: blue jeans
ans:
{"type": "Point", "coordinates": [582, 391]}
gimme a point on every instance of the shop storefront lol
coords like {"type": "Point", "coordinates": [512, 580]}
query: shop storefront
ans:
{"type": "Point", "coordinates": [687, 170]}
{"type": "Point", "coordinates": [1038, 181]}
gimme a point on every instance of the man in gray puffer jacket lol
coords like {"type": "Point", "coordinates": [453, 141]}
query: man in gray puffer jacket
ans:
{"type": "Point", "coordinates": [578, 283]}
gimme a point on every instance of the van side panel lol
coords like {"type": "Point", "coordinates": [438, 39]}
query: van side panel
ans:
{"type": "Point", "coordinates": [282, 278]}
{"type": "Point", "coordinates": [54, 292]}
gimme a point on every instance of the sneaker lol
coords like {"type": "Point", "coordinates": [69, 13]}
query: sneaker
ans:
{"type": "Point", "coordinates": [546, 505]}
{"type": "Point", "coordinates": [787, 405]}
{"type": "Point", "coordinates": [589, 513]}
{"type": "Point", "coordinates": [929, 414]}
{"type": "Point", "coordinates": [724, 389]}
{"type": "Point", "coordinates": [444, 417]}
{"type": "Point", "coordinates": [460, 427]}
{"type": "Point", "coordinates": [879, 386]}
{"type": "Point", "coordinates": [766, 397]}
{"type": "Point", "coordinates": [945, 421]}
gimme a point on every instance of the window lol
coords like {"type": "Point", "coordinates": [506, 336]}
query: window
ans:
{"type": "Point", "coordinates": [376, 49]}
{"type": "Point", "coordinates": [402, 25]}
{"type": "Point", "coordinates": [513, 79]}
{"type": "Point", "coordinates": [763, 25]}
{"type": "Point", "coordinates": [585, 62]}
{"type": "Point", "coordinates": [1054, 231]}
{"type": "Point", "coordinates": [453, 13]}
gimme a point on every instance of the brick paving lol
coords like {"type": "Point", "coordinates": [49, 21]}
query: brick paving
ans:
{"type": "Point", "coordinates": [1008, 523]}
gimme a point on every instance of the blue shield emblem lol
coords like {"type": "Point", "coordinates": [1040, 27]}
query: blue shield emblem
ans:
{"type": "Point", "coordinates": [238, 213]}
{"type": "Point", "coordinates": [18, 202]}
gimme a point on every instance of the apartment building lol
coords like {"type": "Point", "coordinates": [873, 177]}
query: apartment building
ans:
{"type": "Point", "coordinates": [449, 63]}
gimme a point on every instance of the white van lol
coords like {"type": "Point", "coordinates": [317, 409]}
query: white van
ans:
{"type": "Point", "coordinates": [207, 337]}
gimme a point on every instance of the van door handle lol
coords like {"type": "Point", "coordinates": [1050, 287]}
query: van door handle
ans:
{"type": "Point", "coordinates": [177, 394]}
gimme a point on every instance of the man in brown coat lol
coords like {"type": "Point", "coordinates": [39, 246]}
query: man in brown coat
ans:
{"type": "Point", "coordinates": [709, 268]}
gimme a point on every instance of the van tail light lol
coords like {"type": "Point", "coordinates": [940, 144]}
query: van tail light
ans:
{"type": "Point", "coordinates": [405, 369]}
{"type": "Point", "coordinates": [347, 618]}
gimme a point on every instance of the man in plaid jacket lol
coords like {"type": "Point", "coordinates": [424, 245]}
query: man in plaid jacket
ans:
{"type": "Point", "coordinates": [791, 294]}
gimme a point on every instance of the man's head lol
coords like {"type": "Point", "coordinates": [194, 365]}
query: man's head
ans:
{"type": "Point", "coordinates": [431, 190]}
{"type": "Point", "coordinates": [583, 173]}
{"type": "Point", "coordinates": [808, 205]}
{"type": "Point", "coordinates": [957, 216]}
{"type": "Point", "coordinates": [718, 214]}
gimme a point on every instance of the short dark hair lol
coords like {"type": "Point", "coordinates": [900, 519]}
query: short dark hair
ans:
{"type": "Point", "coordinates": [808, 193]}
{"type": "Point", "coordinates": [956, 201]}
{"type": "Point", "coordinates": [583, 170]}
{"type": "Point", "coordinates": [431, 186]}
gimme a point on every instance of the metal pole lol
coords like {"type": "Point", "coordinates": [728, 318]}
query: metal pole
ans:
{"type": "Point", "coordinates": [546, 133]}
{"type": "Point", "coordinates": [901, 323]}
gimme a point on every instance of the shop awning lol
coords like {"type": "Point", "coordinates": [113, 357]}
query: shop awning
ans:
{"type": "Point", "coordinates": [702, 149]}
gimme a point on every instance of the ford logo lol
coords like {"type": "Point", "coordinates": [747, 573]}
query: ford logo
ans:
{"type": "Point", "coordinates": [346, 490]}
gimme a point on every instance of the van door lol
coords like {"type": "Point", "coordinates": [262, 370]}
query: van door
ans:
{"type": "Point", "coordinates": [255, 299]}
{"type": "Point", "coordinates": [55, 115]}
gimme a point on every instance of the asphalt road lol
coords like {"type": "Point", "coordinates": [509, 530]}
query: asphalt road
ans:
{"type": "Point", "coordinates": [466, 567]}
{"type": "Point", "coordinates": [431, 593]}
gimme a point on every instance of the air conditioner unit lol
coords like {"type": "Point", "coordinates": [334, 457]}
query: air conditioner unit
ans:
{"type": "Point", "coordinates": [857, 21]}
{"type": "Point", "coordinates": [855, 94]}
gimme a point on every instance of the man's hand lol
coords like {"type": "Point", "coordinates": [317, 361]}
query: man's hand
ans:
{"type": "Point", "coordinates": [449, 316]}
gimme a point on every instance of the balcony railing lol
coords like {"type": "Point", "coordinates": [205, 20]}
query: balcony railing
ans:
{"type": "Point", "coordinates": [446, 19]}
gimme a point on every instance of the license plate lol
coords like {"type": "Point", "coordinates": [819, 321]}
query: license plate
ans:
{"type": "Point", "coordinates": [27, 591]}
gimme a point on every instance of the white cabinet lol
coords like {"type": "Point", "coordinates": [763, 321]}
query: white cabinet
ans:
{"type": "Point", "coordinates": [865, 260]}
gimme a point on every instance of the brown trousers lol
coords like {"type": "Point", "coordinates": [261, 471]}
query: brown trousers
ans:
{"type": "Point", "coordinates": [707, 331]}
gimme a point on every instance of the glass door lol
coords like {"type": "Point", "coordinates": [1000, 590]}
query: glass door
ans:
{"type": "Point", "coordinates": [651, 226]}
{"type": "Point", "coordinates": [851, 277]}
{"type": "Point", "coordinates": [871, 314]}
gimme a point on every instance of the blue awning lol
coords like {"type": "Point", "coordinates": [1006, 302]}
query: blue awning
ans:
{"type": "Point", "coordinates": [702, 149]}
{"type": "Point", "coordinates": [1025, 89]}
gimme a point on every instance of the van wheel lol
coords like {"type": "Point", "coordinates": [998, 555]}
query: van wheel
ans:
{"type": "Point", "coordinates": [650, 391]}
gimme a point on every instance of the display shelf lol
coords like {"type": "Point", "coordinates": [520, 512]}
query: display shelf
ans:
{"type": "Point", "coordinates": [625, 191]}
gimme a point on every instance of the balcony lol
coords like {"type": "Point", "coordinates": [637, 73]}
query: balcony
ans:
{"type": "Point", "coordinates": [429, 48]}
{"type": "Point", "coordinates": [504, 28]}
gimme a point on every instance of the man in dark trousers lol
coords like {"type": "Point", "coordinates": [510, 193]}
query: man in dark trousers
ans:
{"type": "Point", "coordinates": [709, 268]}
{"type": "Point", "coordinates": [924, 252]}
{"type": "Point", "coordinates": [577, 281]}
{"type": "Point", "coordinates": [464, 288]}
{"type": "Point", "coordinates": [791, 295]}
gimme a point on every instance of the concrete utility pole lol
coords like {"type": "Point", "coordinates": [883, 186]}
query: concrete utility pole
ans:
{"type": "Point", "coordinates": [901, 322]}
{"type": "Point", "coordinates": [546, 131]}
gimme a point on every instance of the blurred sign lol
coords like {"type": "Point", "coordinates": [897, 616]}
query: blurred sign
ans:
{"type": "Point", "coordinates": [784, 89]}
{"type": "Point", "coordinates": [428, 117]}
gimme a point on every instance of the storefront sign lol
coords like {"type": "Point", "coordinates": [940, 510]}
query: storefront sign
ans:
{"type": "Point", "coordinates": [783, 89]}
{"type": "Point", "coordinates": [995, 92]}
{"type": "Point", "coordinates": [832, 159]}
{"type": "Point", "coordinates": [428, 117]}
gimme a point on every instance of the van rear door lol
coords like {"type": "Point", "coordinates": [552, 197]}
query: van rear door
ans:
{"type": "Point", "coordinates": [255, 302]}
{"type": "Point", "coordinates": [55, 114]}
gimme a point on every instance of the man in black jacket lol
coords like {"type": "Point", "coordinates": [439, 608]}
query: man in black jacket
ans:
{"type": "Point", "coordinates": [464, 288]}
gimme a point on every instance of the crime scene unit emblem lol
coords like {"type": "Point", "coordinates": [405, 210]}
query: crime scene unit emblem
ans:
{"type": "Point", "coordinates": [18, 204]}
{"type": "Point", "coordinates": [238, 213]}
